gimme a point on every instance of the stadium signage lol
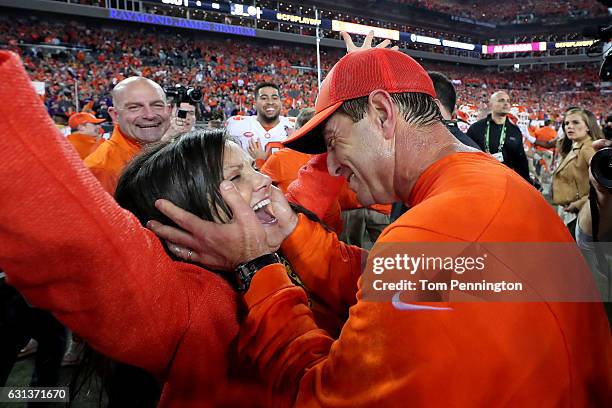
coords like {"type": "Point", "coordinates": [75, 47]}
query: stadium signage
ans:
{"type": "Point", "coordinates": [504, 48]}
{"type": "Point", "coordinates": [572, 44]}
{"type": "Point", "coordinates": [353, 28]}
{"type": "Point", "coordinates": [244, 11]}
{"type": "Point", "coordinates": [437, 41]}
{"type": "Point", "coordinates": [457, 44]}
{"type": "Point", "coordinates": [297, 19]}
{"type": "Point", "coordinates": [425, 40]}
{"type": "Point", "coordinates": [179, 22]}
{"type": "Point", "coordinates": [176, 2]}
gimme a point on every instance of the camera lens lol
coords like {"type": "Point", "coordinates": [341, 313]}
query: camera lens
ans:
{"type": "Point", "coordinates": [195, 95]}
{"type": "Point", "coordinates": [601, 167]}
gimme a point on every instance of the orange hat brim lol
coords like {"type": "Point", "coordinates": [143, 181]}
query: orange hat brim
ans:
{"type": "Point", "coordinates": [309, 138]}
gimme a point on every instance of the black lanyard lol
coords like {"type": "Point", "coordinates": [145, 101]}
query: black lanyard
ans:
{"type": "Point", "coordinates": [502, 137]}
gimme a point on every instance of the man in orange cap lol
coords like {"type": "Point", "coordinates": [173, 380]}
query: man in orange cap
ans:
{"type": "Point", "coordinates": [383, 132]}
{"type": "Point", "coordinates": [141, 115]}
{"type": "Point", "coordinates": [85, 136]}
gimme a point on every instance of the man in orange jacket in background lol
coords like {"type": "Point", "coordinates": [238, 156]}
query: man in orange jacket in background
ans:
{"type": "Point", "coordinates": [141, 115]}
{"type": "Point", "coordinates": [383, 132]}
{"type": "Point", "coordinates": [85, 136]}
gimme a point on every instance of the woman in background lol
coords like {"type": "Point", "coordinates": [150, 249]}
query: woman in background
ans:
{"type": "Point", "coordinates": [570, 184]}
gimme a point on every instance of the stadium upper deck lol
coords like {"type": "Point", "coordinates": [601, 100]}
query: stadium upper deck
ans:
{"type": "Point", "coordinates": [60, 52]}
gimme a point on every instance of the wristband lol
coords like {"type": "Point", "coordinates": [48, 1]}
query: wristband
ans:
{"type": "Point", "coordinates": [245, 271]}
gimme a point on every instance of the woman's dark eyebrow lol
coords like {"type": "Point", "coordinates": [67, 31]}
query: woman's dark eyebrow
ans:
{"type": "Point", "coordinates": [234, 166]}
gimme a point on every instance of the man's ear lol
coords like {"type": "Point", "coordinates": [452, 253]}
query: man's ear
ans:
{"type": "Point", "coordinates": [383, 112]}
{"type": "Point", "coordinates": [445, 113]}
{"type": "Point", "coordinates": [113, 113]}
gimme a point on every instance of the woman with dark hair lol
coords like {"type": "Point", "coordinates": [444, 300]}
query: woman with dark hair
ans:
{"type": "Point", "coordinates": [187, 171]}
{"type": "Point", "coordinates": [70, 249]}
{"type": "Point", "coordinates": [570, 184]}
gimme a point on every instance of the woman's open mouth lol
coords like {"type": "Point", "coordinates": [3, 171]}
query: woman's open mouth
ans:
{"type": "Point", "coordinates": [263, 211]}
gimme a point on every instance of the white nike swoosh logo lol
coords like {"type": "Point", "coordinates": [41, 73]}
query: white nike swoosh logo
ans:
{"type": "Point", "coordinates": [399, 305]}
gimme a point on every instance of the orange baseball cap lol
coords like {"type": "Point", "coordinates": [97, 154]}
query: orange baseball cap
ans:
{"type": "Point", "coordinates": [357, 74]}
{"type": "Point", "coordinates": [81, 118]}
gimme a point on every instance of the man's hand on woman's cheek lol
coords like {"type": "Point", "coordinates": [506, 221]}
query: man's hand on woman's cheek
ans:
{"type": "Point", "coordinates": [216, 246]}
{"type": "Point", "coordinates": [224, 246]}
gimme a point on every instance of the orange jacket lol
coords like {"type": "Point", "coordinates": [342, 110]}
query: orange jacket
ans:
{"type": "Point", "coordinates": [70, 249]}
{"type": "Point", "coordinates": [110, 158]}
{"type": "Point", "coordinates": [84, 144]}
{"type": "Point", "coordinates": [315, 189]}
{"type": "Point", "coordinates": [283, 167]}
{"type": "Point", "coordinates": [538, 354]}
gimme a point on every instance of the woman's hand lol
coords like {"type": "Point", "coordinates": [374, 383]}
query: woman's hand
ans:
{"type": "Point", "coordinates": [574, 207]}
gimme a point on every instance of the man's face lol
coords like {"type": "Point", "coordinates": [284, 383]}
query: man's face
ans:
{"type": "Point", "coordinates": [141, 112]}
{"type": "Point", "coordinates": [500, 103]}
{"type": "Point", "coordinates": [359, 153]}
{"type": "Point", "coordinates": [268, 104]}
{"type": "Point", "coordinates": [190, 119]}
{"type": "Point", "coordinates": [90, 129]}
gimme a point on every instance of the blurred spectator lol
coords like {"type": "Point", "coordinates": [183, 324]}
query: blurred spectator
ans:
{"type": "Point", "coordinates": [86, 133]}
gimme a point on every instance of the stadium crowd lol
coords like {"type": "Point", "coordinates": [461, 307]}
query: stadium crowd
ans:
{"type": "Point", "coordinates": [272, 305]}
{"type": "Point", "coordinates": [512, 12]}
{"type": "Point", "coordinates": [59, 54]}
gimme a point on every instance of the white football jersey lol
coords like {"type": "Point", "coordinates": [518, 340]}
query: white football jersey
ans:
{"type": "Point", "coordinates": [243, 128]}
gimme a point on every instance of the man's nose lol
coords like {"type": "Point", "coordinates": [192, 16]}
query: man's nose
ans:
{"type": "Point", "coordinates": [333, 166]}
{"type": "Point", "coordinates": [147, 112]}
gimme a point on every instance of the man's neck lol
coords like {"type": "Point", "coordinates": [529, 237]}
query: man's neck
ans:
{"type": "Point", "coordinates": [498, 118]}
{"type": "Point", "coordinates": [267, 123]}
{"type": "Point", "coordinates": [410, 163]}
{"type": "Point", "coordinates": [127, 137]}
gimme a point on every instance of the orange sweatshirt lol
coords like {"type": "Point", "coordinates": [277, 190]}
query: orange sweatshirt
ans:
{"type": "Point", "coordinates": [84, 144]}
{"type": "Point", "coordinates": [108, 161]}
{"type": "Point", "coordinates": [283, 167]}
{"type": "Point", "coordinates": [70, 249]}
{"type": "Point", "coordinates": [538, 354]}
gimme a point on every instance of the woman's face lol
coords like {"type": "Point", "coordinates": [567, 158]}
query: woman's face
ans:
{"type": "Point", "coordinates": [254, 187]}
{"type": "Point", "coordinates": [575, 127]}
